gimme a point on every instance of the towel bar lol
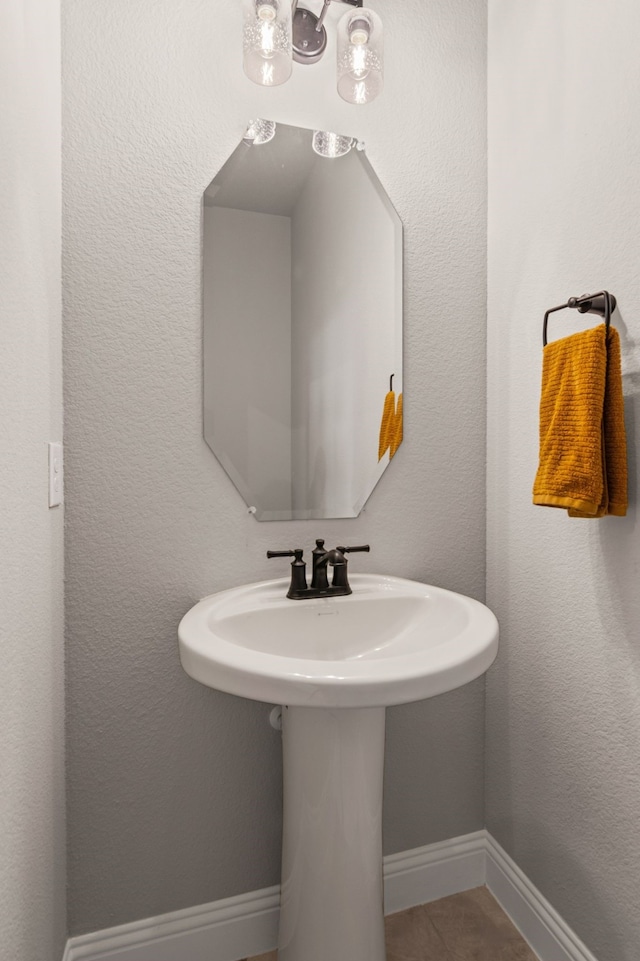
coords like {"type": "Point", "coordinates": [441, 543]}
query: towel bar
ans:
{"type": "Point", "coordinates": [602, 303]}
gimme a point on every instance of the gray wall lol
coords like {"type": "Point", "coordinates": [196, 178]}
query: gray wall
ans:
{"type": "Point", "coordinates": [32, 841]}
{"type": "Point", "coordinates": [174, 789]}
{"type": "Point", "coordinates": [563, 701]}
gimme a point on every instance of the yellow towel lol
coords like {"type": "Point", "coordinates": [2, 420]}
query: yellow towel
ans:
{"type": "Point", "coordinates": [614, 439]}
{"type": "Point", "coordinates": [583, 457]}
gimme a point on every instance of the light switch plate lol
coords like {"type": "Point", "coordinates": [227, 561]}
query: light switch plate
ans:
{"type": "Point", "coordinates": [56, 475]}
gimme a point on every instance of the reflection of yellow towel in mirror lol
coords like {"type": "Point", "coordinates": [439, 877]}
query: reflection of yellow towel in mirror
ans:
{"type": "Point", "coordinates": [397, 429]}
{"type": "Point", "coordinates": [387, 425]}
{"type": "Point", "coordinates": [391, 426]}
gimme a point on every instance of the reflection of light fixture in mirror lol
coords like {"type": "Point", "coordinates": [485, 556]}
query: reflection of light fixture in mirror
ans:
{"type": "Point", "coordinates": [260, 131]}
{"type": "Point", "coordinates": [272, 39]}
{"type": "Point", "coordinates": [328, 144]}
{"type": "Point", "coordinates": [360, 56]}
{"type": "Point", "coordinates": [267, 41]}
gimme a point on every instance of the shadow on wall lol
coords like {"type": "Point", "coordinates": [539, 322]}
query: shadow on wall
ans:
{"type": "Point", "coordinates": [615, 554]}
{"type": "Point", "coordinates": [564, 879]}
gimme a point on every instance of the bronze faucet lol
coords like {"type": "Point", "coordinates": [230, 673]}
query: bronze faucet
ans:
{"type": "Point", "coordinates": [322, 560]}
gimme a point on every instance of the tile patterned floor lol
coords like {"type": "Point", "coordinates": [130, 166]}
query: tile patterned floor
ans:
{"type": "Point", "coordinates": [464, 927]}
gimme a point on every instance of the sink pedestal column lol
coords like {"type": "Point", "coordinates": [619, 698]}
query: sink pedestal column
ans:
{"type": "Point", "coordinates": [332, 894]}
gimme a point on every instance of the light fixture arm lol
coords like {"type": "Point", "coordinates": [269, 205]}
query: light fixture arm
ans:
{"type": "Point", "coordinates": [323, 14]}
{"type": "Point", "coordinates": [325, 7]}
{"type": "Point", "coordinates": [309, 34]}
{"type": "Point", "coordinates": [353, 3]}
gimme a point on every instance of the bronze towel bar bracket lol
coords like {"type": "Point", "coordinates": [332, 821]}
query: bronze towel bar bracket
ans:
{"type": "Point", "coordinates": [602, 303]}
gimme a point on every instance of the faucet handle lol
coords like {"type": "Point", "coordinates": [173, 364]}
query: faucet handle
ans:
{"type": "Point", "coordinates": [340, 579]}
{"type": "Point", "coordinates": [298, 586]}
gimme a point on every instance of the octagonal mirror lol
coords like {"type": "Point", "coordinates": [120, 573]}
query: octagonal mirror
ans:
{"type": "Point", "coordinates": [302, 323]}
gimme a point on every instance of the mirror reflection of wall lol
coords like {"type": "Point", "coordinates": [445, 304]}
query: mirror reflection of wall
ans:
{"type": "Point", "coordinates": [248, 350]}
{"type": "Point", "coordinates": [303, 325]}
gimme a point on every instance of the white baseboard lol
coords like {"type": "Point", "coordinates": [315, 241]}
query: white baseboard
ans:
{"type": "Point", "coordinates": [221, 931]}
{"type": "Point", "coordinates": [247, 925]}
{"type": "Point", "coordinates": [549, 936]}
{"type": "Point", "coordinates": [432, 872]}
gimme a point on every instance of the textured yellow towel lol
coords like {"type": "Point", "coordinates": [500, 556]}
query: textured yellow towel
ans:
{"type": "Point", "coordinates": [614, 439]}
{"type": "Point", "coordinates": [583, 459]}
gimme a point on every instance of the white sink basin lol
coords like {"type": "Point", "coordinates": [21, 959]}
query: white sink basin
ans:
{"type": "Point", "coordinates": [391, 641]}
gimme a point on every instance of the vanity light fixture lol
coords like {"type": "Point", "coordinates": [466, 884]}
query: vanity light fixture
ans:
{"type": "Point", "coordinates": [277, 32]}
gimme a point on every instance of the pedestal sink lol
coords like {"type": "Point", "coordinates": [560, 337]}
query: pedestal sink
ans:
{"type": "Point", "coordinates": [335, 664]}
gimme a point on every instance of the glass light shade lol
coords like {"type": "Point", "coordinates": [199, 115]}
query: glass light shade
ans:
{"type": "Point", "coordinates": [328, 144]}
{"type": "Point", "coordinates": [260, 131]}
{"type": "Point", "coordinates": [360, 56]}
{"type": "Point", "coordinates": [267, 56]}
